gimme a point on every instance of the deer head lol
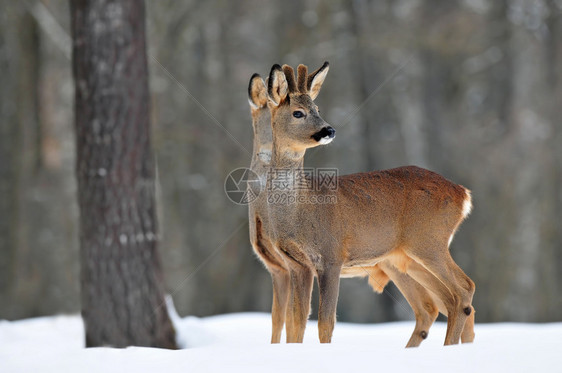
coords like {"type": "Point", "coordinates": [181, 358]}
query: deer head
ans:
{"type": "Point", "coordinates": [295, 120]}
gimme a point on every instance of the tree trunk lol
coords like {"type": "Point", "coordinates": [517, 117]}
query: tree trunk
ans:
{"type": "Point", "coordinates": [122, 286]}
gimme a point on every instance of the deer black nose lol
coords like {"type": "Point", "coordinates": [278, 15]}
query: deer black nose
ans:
{"type": "Point", "coordinates": [326, 133]}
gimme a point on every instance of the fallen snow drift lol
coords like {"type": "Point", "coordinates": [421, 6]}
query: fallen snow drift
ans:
{"type": "Point", "coordinates": [240, 343]}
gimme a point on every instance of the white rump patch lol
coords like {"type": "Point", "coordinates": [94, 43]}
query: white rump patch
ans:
{"type": "Point", "coordinates": [326, 140]}
{"type": "Point", "coordinates": [467, 204]}
{"type": "Point", "coordinates": [466, 209]}
{"type": "Point", "coordinates": [451, 239]}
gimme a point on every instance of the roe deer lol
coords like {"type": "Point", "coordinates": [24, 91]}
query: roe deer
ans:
{"type": "Point", "coordinates": [425, 309]}
{"type": "Point", "coordinates": [406, 216]}
{"type": "Point", "coordinates": [421, 302]}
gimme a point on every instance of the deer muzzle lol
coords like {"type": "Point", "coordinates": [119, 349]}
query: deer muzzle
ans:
{"type": "Point", "coordinates": [325, 135]}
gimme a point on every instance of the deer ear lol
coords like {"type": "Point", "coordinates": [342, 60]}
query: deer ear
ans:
{"type": "Point", "coordinates": [277, 87]}
{"type": "Point", "coordinates": [257, 92]}
{"type": "Point", "coordinates": [316, 79]}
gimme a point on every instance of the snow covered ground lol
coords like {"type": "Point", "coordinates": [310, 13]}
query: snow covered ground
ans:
{"type": "Point", "coordinates": [240, 343]}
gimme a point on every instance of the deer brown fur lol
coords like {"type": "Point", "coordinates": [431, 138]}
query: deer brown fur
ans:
{"type": "Point", "coordinates": [417, 296]}
{"type": "Point", "coordinates": [406, 216]}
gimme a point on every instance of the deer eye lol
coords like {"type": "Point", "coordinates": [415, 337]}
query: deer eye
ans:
{"type": "Point", "coordinates": [298, 114]}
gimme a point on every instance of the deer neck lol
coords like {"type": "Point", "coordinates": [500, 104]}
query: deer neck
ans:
{"type": "Point", "coordinates": [283, 157]}
{"type": "Point", "coordinates": [284, 183]}
{"type": "Point", "coordinates": [261, 153]}
{"type": "Point", "coordinates": [261, 157]}
{"type": "Point", "coordinates": [261, 161]}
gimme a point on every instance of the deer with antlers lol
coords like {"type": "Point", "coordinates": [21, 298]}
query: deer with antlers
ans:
{"type": "Point", "coordinates": [424, 305]}
{"type": "Point", "coordinates": [404, 218]}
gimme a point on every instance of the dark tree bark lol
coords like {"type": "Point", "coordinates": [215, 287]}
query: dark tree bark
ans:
{"type": "Point", "coordinates": [122, 286]}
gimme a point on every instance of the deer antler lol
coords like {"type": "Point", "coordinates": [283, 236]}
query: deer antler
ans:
{"type": "Point", "coordinates": [302, 76]}
{"type": "Point", "coordinates": [290, 76]}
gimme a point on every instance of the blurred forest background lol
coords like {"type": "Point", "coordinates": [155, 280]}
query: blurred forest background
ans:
{"type": "Point", "coordinates": [471, 89]}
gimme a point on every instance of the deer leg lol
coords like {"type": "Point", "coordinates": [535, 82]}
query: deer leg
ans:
{"type": "Point", "coordinates": [425, 309]}
{"type": "Point", "coordinates": [281, 288]}
{"type": "Point", "coordinates": [467, 335]}
{"type": "Point", "coordinates": [441, 295]}
{"type": "Point", "coordinates": [447, 274]}
{"type": "Point", "coordinates": [328, 286]}
{"type": "Point", "coordinates": [281, 280]}
{"type": "Point", "coordinates": [299, 304]}
{"type": "Point", "coordinates": [432, 283]}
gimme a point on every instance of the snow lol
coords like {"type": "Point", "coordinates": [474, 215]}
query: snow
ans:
{"type": "Point", "coordinates": [240, 343]}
